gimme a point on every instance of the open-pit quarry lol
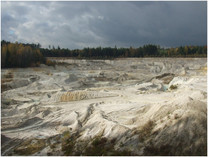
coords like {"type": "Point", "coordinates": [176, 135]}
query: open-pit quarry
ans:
{"type": "Point", "coordinates": [140, 106]}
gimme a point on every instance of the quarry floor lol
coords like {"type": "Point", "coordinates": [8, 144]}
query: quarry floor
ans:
{"type": "Point", "coordinates": [140, 106]}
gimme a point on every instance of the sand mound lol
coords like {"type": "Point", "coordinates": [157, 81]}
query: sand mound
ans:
{"type": "Point", "coordinates": [71, 78]}
{"type": "Point", "coordinates": [34, 78]}
{"type": "Point", "coordinates": [122, 78]}
{"type": "Point", "coordinates": [166, 77]}
{"type": "Point", "coordinates": [183, 133]}
{"type": "Point", "coordinates": [29, 122]}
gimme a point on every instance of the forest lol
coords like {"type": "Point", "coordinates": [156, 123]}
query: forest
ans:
{"type": "Point", "coordinates": [144, 51]}
{"type": "Point", "coordinates": [20, 55]}
{"type": "Point", "coordinates": [26, 55]}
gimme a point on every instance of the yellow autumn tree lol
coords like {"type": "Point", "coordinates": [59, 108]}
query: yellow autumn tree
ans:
{"type": "Point", "coordinates": [18, 55]}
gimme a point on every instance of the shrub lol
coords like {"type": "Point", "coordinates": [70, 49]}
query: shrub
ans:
{"type": "Point", "coordinates": [29, 147]}
{"type": "Point", "coordinates": [68, 143]}
{"type": "Point", "coordinates": [9, 75]}
{"type": "Point", "coordinates": [151, 150]}
{"type": "Point", "coordinates": [50, 63]}
{"type": "Point", "coordinates": [146, 130]}
{"type": "Point", "coordinates": [102, 147]}
{"type": "Point", "coordinates": [172, 87]}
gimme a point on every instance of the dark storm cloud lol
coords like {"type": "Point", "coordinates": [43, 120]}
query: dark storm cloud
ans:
{"type": "Point", "coordinates": [165, 23]}
{"type": "Point", "coordinates": [83, 24]}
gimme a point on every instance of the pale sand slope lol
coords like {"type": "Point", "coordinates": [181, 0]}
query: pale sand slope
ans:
{"type": "Point", "coordinates": [128, 101]}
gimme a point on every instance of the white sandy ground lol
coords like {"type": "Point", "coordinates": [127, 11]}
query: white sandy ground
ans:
{"type": "Point", "coordinates": [112, 99]}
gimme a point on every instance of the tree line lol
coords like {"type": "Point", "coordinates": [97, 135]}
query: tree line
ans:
{"type": "Point", "coordinates": [24, 55]}
{"type": "Point", "coordinates": [144, 51]}
{"type": "Point", "coordinates": [20, 55]}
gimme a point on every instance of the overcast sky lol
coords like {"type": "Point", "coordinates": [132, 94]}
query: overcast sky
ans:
{"type": "Point", "coordinates": [91, 24]}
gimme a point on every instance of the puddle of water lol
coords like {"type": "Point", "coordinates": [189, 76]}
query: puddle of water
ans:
{"type": "Point", "coordinates": [165, 87]}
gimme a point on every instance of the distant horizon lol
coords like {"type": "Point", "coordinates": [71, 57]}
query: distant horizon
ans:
{"type": "Point", "coordinates": [77, 25]}
{"type": "Point", "coordinates": [103, 47]}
